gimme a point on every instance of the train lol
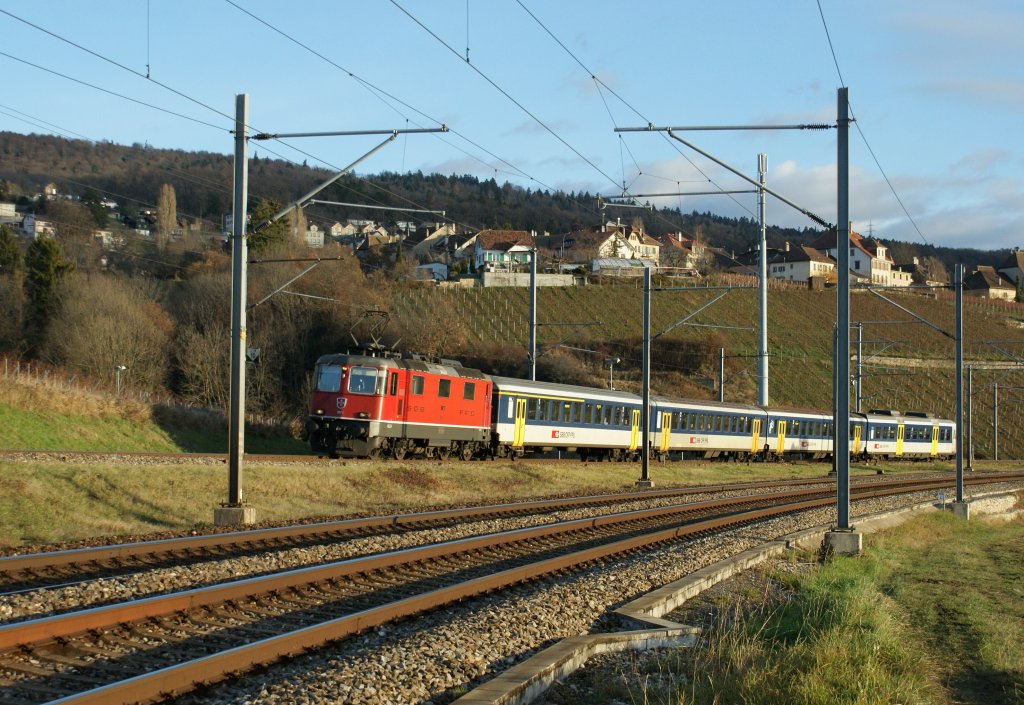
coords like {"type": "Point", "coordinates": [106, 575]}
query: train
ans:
{"type": "Point", "coordinates": [379, 404]}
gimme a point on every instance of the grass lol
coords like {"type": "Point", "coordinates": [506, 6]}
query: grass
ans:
{"type": "Point", "coordinates": [50, 502]}
{"type": "Point", "coordinates": [41, 415]}
{"type": "Point", "coordinates": [931, 614]}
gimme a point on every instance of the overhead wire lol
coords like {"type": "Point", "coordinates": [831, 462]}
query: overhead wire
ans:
{"type": "Point", "coordinates": [173, 90]}
{"type": "Point", "coordinates": [381, 94]}
{"type": "Point", "coordinates": [626, 103]}
{"type": "Point", "coordinates": [863, 137]}
{"type": "Point", "coordinates": [508, 95]}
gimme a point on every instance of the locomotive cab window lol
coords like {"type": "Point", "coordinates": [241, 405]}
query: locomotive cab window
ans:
{"type": "Point", "coordinates": [328, 378]}
{"type": "Point", "coordinates": [362, 380]}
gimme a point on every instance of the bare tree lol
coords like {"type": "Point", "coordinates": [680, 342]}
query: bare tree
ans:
{"type": "Point", "coordinates": [298, 225]}
{"type": "Point", "coordinates": [106, 322]}
{"type": "Point", "coordinates": [936, 269]}
{"type": "Point", "coordinates": [75, 230]}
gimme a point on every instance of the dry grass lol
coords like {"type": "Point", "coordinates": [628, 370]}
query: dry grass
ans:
{"type": "Point", "coordinates": [56, 502]}
{"type": "Point", "coordinates": [55, 395]}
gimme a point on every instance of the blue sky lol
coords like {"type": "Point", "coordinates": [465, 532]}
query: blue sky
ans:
{"type": "Point", "coordinates": [937, 89]}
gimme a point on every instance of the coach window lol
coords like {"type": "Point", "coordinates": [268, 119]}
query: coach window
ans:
{"type": "Point", "coordinates": [607, 416]}
{"type": "Point", "coordinates": [577, 411]}
{"type": "Point", "coordinates": [588, 413]}
{"type": "Point", "coordinates": [718, 423]}
{"type": "Point", "coordinates": [417, 384]}
{"type": "Point", "coordinates": [533, 409]}
{"type": "Point", "coordinates": [469, 391]}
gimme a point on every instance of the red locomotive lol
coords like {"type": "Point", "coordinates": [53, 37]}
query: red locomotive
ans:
{"type": "Point", "coordinates": [379, 404]}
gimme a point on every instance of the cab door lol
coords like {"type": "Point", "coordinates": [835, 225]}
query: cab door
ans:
{"type": "Point", "coordinates": [519, 432]}
{"type": "Point", "coordinates": [634, 435]}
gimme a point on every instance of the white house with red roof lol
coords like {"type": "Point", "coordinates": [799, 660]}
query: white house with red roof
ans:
{"type": "Point", "coordinates": [870, 261]}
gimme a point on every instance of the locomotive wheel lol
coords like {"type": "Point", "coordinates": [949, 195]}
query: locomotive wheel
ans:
{"type": "Point", "coordinates": [376, 453]}
{"type": "Point", "coordinates": [466, 452]}
{"type": "Point", "coordinates": [444, 453]}
{"type": "Point", "coordinates": [399, 452]}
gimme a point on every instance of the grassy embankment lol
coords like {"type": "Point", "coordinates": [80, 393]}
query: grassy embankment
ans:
{"type": "Point", "coordinates": [45, 502]}
{"type": "Point", "coordinates": [930, 614]}
{"type": "Point", "coordinates": [907, 365]}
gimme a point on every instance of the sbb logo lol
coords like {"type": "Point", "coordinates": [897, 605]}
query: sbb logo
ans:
{"type": "Point", "coordinates": [341, 403]}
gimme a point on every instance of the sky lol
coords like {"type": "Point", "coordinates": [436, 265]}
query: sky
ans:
{"type": "Point", "coordinates": [936, 89]}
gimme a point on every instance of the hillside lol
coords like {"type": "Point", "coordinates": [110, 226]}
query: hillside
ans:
{"type": "Point", "coordinates": [132, 176]}
{"type": "Point", "coordinates": [907, 365]}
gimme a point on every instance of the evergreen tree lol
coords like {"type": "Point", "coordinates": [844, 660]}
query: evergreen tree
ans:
{"type": "Point", "coordinates": [45, 266]}
{"type": "Point", "coordinates": [1019, 298]}
{"type": "Point", "coordinates": [10, 253]}
{"type": "Point", "coordinates": [260, 238]}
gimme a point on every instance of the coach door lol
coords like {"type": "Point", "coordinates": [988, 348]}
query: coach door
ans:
{"type": "Point", "coordinates": [518, 435]}
{"type": "Point", "coordinates": [935, 440]}
{"type": "Point", "coordinates": [634, 434]}
{"type": "Point", "coordinates": [666, 430]}
{"type": "Point", "coordinates": [857, 429]}
{"type": "Point", "coordinates": [781, 446]}
{"type": "Point", "coordinates": [755, 436]}
{"type": "Point", "coordinates": [899, 440]}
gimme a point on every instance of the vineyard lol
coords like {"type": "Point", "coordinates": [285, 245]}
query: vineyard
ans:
{"type": "Point", "coordinates": [906, 364]}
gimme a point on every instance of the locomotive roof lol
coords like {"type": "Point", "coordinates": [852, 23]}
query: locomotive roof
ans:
{"type": "Point", "coordinates": [445, 367]}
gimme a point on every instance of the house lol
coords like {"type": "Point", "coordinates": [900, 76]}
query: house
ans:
{"type": "Point", "coordinates": [986, 282]}
{"type": "Point", "coordinates": [800, 263]}
{"type": "Point", "coordinates": [1013, 266]}
{"type": "Point", "coordinates": [579, 247]}
{"type": "Point", "coordinates": [869, 259]}
{"type": "Point", "coordinates": [314, 236]}
{"type": "Point", "coordinates": [435, 238]}
{"type": "Point", "coordinates": [920, 274]}
{"type": "Point", "coordinates": [435, 271]}
{"type": "Point", "coordinates": [642, 245]}
{"type": "Point", "coordinates": [36, 227]}
{"type": "Point", "coordinates": [107, 239]}
{"type": "Point", "coordinates": [621, 266]}
{"type": "Point", "coordinates": [497, 250]}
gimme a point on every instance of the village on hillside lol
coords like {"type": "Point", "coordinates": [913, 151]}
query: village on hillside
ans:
{"type": "Point", "coordinates": [447, 253]}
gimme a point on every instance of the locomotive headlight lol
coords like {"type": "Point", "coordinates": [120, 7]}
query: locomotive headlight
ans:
{"type": "Point", "coordinates": [362, 415]}
{"type": "Point", "coordinates": [319, 412]}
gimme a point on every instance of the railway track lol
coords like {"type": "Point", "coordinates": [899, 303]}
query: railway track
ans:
{"type": "Point", "coordinates": [65, 568]}
{"type": "Point", "coordinates": [150, 648]}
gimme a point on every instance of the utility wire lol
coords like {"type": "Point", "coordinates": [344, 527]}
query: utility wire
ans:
{"type": "Point", "coordinates": [842, 82]}
{"type": "Point", "coordinates": [626, 103]}
{"type": "Point", "coordinates": [110, 92]}
{"type": "Point", "coordinates": [507, 95]}
{"type": "Point", "coordinates": [381, 94]}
